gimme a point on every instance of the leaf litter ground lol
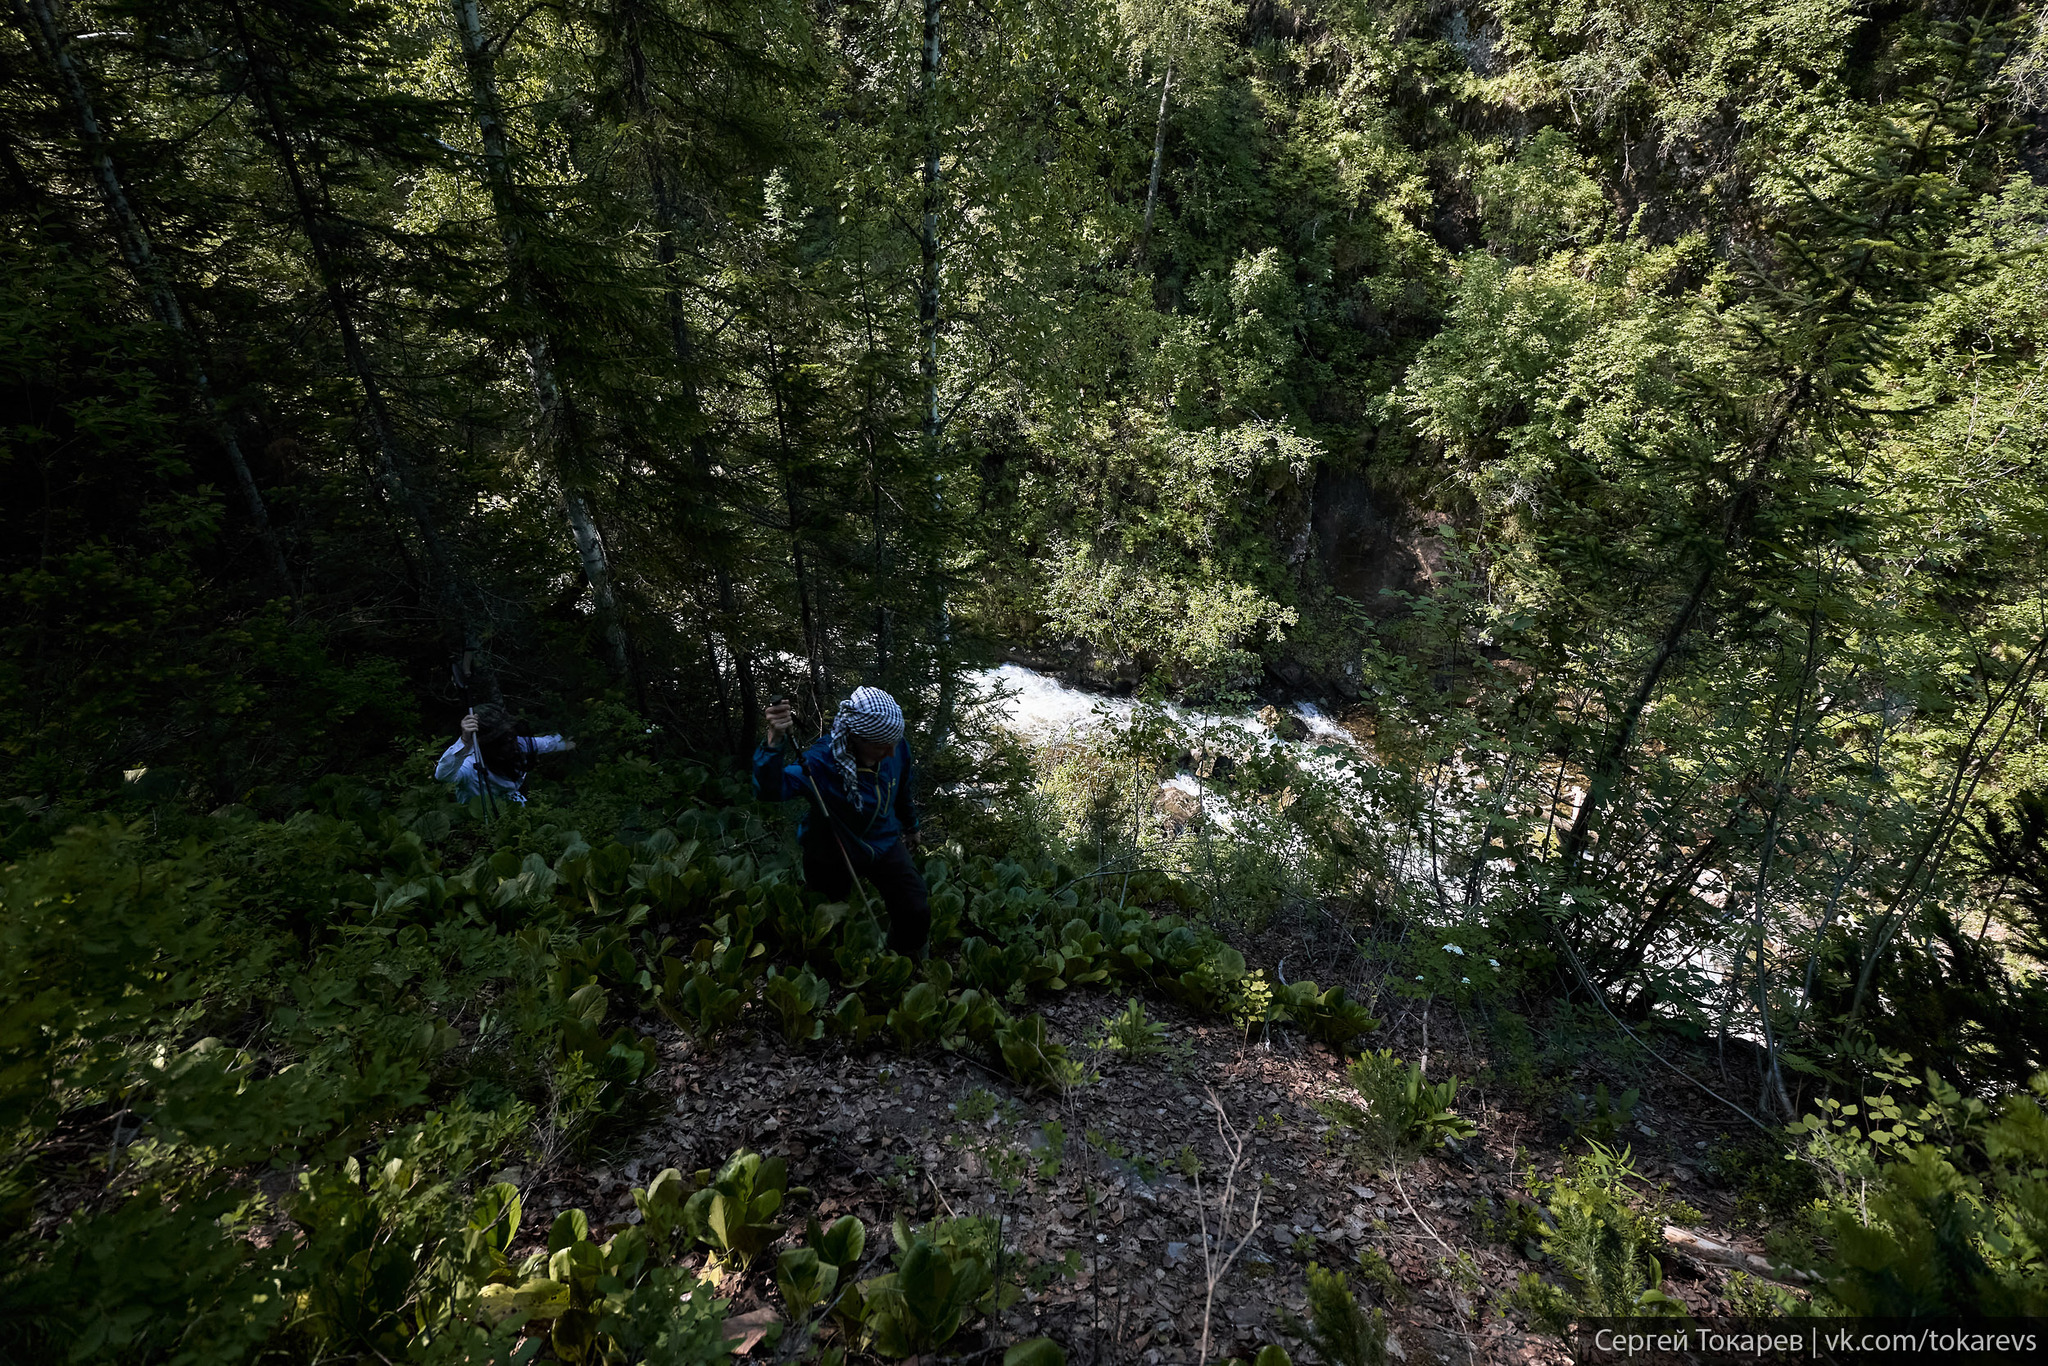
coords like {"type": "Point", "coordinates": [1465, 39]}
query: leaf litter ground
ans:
{"type": "Point", "coordinates": [1103, 1235]}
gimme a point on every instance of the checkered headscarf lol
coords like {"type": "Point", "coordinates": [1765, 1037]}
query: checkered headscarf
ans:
{"type": "Point", "coordinates": [870, 714]}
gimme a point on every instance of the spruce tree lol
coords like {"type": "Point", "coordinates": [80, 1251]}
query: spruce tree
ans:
{"type": "Point", "coordinates": [325, 110]}
{"type": "Point", "coordinates": [53, 45]}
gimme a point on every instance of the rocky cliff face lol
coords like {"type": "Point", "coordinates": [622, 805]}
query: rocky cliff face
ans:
{"type": "Point", "coordinates": [1370, 543]}
{"type": "Point", "coordinates": [1367, 543]}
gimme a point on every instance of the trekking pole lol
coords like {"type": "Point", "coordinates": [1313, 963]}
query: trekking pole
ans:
{"type": "Point", "coordinates": [825, 813]}
{"type": "Point", "coordinates": [459, 670]}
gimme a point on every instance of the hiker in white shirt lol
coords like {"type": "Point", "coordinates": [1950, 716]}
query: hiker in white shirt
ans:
{"type": "Point", "coordinates": [494, 744]}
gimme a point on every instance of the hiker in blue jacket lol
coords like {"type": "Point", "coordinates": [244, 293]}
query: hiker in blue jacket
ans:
{"type": "Point", "coordinates": [861, 820]}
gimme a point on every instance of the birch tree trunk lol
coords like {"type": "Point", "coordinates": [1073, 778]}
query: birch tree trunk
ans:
{"type": "Point", "coordinates": [933, 64]}
{"type": "Point", "coordinates": [554, 421]}
{"type": "Point", "coordinates": [39, 21]}
{"type": "Point", "coordinates": [1158, 157]}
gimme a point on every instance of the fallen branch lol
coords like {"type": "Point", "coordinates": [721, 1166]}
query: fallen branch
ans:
{"type": "Point", "coordinates": [1704, 1249]}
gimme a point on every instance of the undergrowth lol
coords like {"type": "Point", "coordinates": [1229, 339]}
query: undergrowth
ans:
{"type": "Point", "coordinates": [261, 1066]}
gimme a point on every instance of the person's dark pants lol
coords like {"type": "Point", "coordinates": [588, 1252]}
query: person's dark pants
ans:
{"type": "Point", "coordinates": [889, 875]}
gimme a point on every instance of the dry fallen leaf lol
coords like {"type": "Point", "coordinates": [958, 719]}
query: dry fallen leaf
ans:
{"type": "Point", "coordinates": [750, 1328]}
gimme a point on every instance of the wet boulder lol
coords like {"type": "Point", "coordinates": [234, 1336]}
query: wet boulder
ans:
{"type": "Point", "coordinates": [1211, 764]}
{"type": "Point", "coordinates": [1177, 810]}
{"type": "Point", "coordinates": [1284, 725]}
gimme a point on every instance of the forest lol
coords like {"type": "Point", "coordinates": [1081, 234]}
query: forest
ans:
{"type": "Point", "coordinates": [1536, 515]}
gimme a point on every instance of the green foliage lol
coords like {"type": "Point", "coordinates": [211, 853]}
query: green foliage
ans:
{"type": "Point", "coordinates": [840, 1244]}
{"type": "Point", "coordinates": [693, 996]}
{"type": "Point", "coordinates": [977, 1105]}
{"type": "Point", "coordinates": [1602, 1238]}
{"type": "Point", "coordinates": [1035, 1352]}
{"type": "Point", "coordinates": [1769, 1182]}
{"type": "Point", "coordinates": [806, 925]}
{"type": "Point", "coordinates": [1209, 981]}
{"type": "Point", "coordinates": [799, 1004]}
{"type": "Point", "coordinates": [1403, 1110]}
{"type": "Point", "coordinates": [887, 977]}
{"type": "Point", "coordinates": [84, 925]}
{"type": "Point", "coordinates": [803, 1280]}
{"type": "Point", "coordinates": [992, 967]}
{"type": "Point", "coordinates": [1744, 470]}
{"type": "Point", "coordinates": [1028, 1054]}
{"type": "Point", "coordinates": [607, 1065]}
{"type": "Point", "coordinates": [1439, 284]}
{"type": "Point", "coordinates": [1272, 1354]}
{"type": "Point", "coordinates": [666, 1319]}
{"type": "Point", "coordinates": [1844, 1142]}
{"type": "Point", "coordinates": [1375, 1270]}
{"type": "Point", "coordinates": [1198, 627]}
{"type": "Point", "coordinates": [662, 1205]}
{"type": "Point", "coordinates": [1518, 1225]}
{"type": "Point", "coordinates": [980, 1018]}
{"type": "Point", "coordinates": [1329, 1016]}
{"type": "Point", "coordinates": [1948, 1229]}
{"type": "Point", "coordinates": [1751, 1298]}
{"type": "Point", "coordinates": [439, 1000]}
{"type": "Point", "coordinates": [808, 1275]}
{"type": "Point", "coordinates": [851, 1018]}
{"type": "Point", "coordinates": [1342, 1333]}
{"type": "Point", "coordinates": [733, 1211]}
{"type": "Point", "coordinates": [602, 1300]}
{"type": "Point", "coordinates": [1251, 1002]}
{"type": "Point", "coordinates": [1544, 200]}
{"type": "Point", "coordinates": [389, 1254]}
{"type": "Point", "coordinates": [926, 1017]}
{"type": "Point", "coordinates": [943, 1273]}
{"type": "Point", "coordinates": [1132, 1032]}
{"type": "Point", "coordinates": [1600, 1118]}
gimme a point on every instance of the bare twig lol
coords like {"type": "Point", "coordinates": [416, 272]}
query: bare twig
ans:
{"type": "Point", "coordinates": [1233, 1148]}
{"type": "Point", "coordinates": [1396, 1175]}
{"type": "Point", "coordinates": [1465, 1329]}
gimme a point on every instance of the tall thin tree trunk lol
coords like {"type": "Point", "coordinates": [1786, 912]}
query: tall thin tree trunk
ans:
{"type": "Point", "coordinates": [885, 652]}
{"type": "Point", "coordinates": [928, 338]}
{"type": "Point", "coordinates": [934, 54]}
{"type": "Point", "coordinates": [668, 255]}
{"type": "Point", "coordinates": [878, 555]}
{"type": "Point", "coordinates": [38, 20]}
{"type": "Point", "coordinates": [1158, 158]}
{"type": "Point", "coordinates": [814, 650]}
{"type": "Point", "coordinates": [1969, 771]}
{"type": "Point", "coordinates": [1799, 392]}
{"type": "Point", "coordinates": [749, 717]}
{"type": "Point", "coordinates": [1774, 1074]}
{"type": "Point", "coordinates": [17, 177]}
{"type": "Point", "coordinates": [1742, 504]}
{"type": "Point", "coordinates": [554, 421]}
{"type": "Point", "coordinates": [395, 464]}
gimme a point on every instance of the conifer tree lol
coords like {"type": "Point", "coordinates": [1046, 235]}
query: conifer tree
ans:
{"type": "Point", "coordinates": [314, 76]}
{"type": "Point", "coordinates": [694, 90]}
{"type": "Point", "coordinates": [1818, 312]}
{"type": "Point", "coordinates": [53, 46]}
{"type": "Point", "coordinates": [561, 427]}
